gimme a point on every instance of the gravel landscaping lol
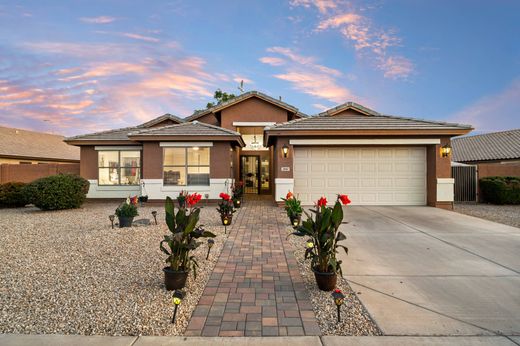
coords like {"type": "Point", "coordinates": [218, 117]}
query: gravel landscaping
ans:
{"type": "Point", "coordinates": [355, 319]}
{"type": "Point", "coordinates": [505, 214]}
{"type": "Point", "coordinates": [68, 272]}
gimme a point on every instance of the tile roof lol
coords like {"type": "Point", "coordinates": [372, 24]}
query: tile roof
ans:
{"type": "Point", "coordinates": [162, 118]}
{"type": "Point", "coordinates": [364, 122]}
{"type": "Point", "coordinates": [23, 143]}
{"type": "Point", "coordinates": [242, 97]}
{"type": "Point", "coordinates": [490, 146]}
{"type": "Point", "coordinates": [349, 105]}
{"type": "Point", "coordinates": [194, 128]}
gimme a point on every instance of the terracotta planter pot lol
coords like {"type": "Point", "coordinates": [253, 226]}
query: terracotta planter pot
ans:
{"type": "Point", "coordinates": [325, 281]}
{"type": "Point", "coordinates": [295, 220]}
{"type": "Point", "coordinates": [230, 218]}
{"type": "Point", "coordinates": [125, 221]}
{"type": "Point", "coordinates": [174, 279]}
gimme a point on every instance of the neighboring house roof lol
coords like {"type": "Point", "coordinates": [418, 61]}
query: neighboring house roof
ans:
{"type": "Point", "coordinates": [243, 97]}
{"type": "Point", "coordinates": [35, 145]}
{"type": "Point", "coordinates": [162, 118]}
{"type": "Point", "coordinates": [191, 129]}
{"type": "Point", "coordinates": [349, 105]}
{"type": "Point", "coordinates": [494, 146]}
{"type": "Point", "coordinates": [364, 122]}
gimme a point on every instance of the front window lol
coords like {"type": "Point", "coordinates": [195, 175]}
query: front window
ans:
{"type": "Point", "coordinates": [119, 167]}
{"type": "Point", "coordinates": [186, 166]}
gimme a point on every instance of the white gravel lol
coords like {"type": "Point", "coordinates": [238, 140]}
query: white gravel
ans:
{"type": "Point", "coordinates": [506, 214]}
{"type": "Point", "coordinates": [355, 320]}
{"type": "Point", "coordinates": [68, 272]}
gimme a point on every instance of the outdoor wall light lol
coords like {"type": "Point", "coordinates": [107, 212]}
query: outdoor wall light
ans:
{"type": "Point", "coordinates": [111, 218]}
{"type": "Point", "coordinates": [445, 150]}
{"type": "Point", "coordinates": [211, 242]}
{"type": "Point", "coordinates": [285, 150]}
{"type": "Point", "coordinates": [339, 299]}
{"type": "Point", "coordinates": [154, 214]}
{"type": "Point", "coordinates": [177, 297]}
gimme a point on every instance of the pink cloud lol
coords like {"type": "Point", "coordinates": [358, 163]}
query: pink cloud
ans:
{"type": "Point", "coordinates": [334, 22]}
{"type": "Point", "coordinates": [396, 67]}
{"type": "Point", "coordinates": [140, 37]}
{"type": "Point", "coordinates": [494, 112]}
{"type": "Point", "coordinates": [322, 5]}
{"type": "Point", "coordinates": [309, 77]}
{"type": "Point", "coordinates": [98, 20]}
{"type": "Point", "coordinates": [271, 60]}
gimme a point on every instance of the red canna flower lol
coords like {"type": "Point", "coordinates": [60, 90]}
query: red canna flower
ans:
{"type": "Point", "coordinates": [225, 196]}
{"type": "Point", "coordinates": [133, 200]}
{"type": "Point", "coordinates": [289, 195]}
{"type": "Point", "coordinates": [337, 290]}
{"type": "Point", "coordinates": [322, 202]}
{"type": "Point", "coordinates": [193, 199]}
{"type": "Point", "coordinates": [344, 199]}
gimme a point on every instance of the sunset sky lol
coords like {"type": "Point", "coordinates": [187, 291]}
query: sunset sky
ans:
{"type": "Point", "coordinates": [73, 67]}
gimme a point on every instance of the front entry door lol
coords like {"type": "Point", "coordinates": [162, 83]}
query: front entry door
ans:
{"type": "Point", "coordinates": [250, 173]}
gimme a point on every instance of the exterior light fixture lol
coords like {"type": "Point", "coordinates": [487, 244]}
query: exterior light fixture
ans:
{"type": "Point", "coordinates": [211, 242]}
{"type": "Point", "coordinates": [226, 221]}
{"type": "Point", "coordinates": [285, 150]}
{"type": "Point", "coordinates": [111, 218]}
{"type": "Point", "coordinates": [446, 150]}
{"type": "Point", "coordinates": [309, 244]}
{"type": "Point", "coordinates": [295, 222]}
{"type": "Point", "coordinates": [339, 299]}
{"type": "Point", "coordinates": [206, 196]}
{"type": "Point", "coordinates": [154, 214]}
{"type": "Point", "coordinates": [195, 148]}
{"type": "Point", "coordinates": [177, 297]}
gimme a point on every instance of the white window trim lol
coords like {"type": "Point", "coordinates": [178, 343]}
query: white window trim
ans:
{"type": "Point", "coordinates": [186, 144]}
{"type": "Point", "coordinates": [398, 141]}
{"type": "Point", "coordinates": [118, 148]}
{"type": "Point", "coordinates": [253, 123]}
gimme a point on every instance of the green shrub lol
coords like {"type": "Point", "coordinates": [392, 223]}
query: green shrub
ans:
{"type": "Point", "coordinates": [12, 195]}
{"type": "Point", "coordinates": [500, 190]}
{"type": "Point", "coordinates": [62, 191]}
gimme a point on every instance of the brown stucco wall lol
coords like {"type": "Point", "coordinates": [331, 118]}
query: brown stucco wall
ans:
{"type": "Point", "coordinates": [88, 166]}
{"type": "Point", "coordinates": [511, 169]}
{"type": "Point", "coordinates": [25, 173]}
{"type": "Point", "coordinates": [152, 160]}
{"type": "Point", "coordinates": [220, 160]}
{"type": "Point", "coordinates": [280, 161]}
{"type": "Point", "coordinates": [252, 109]}
{"type": "Point", "coordinates": [209, 119]}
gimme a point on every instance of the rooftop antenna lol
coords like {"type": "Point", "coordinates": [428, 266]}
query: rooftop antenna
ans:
{"type": "Point", "coordinates": [280, 98]}
{"type": "Point", "coordinates": [241, 86]}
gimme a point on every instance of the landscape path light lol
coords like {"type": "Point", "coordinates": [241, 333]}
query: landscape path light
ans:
{"type": "Point", "coordinates": [339, 299]}
{"type": "Point", "coordinates": [154, 214]}
{"type": "Point", "coordinates": [177, 297]}
{"type": "Point", "coordinates": [226, 220]}
{"type": "Point", "coordinates": [211, 242]}
{"type": "Point", "coordinates": [111, 218]}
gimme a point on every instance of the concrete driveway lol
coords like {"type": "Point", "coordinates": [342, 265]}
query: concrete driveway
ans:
{"type": "Point", "coordinates": [427, 271]}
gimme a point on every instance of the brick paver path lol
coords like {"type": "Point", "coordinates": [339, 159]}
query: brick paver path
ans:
{"type": "Point", "coordinates": [256, 288]}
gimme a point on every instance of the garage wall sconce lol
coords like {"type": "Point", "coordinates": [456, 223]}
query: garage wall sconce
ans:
{"type": "Point", "coordinates": [445, 150]}
{"type": "Point", "coordinates": [285, 151]}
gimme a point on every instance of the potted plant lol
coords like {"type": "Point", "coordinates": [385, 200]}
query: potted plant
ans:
{"type": "Point", "coordinates": [324, 235]}
{"type": "Point", "coordinates": [179, 244]}
{"type": "Point", "coordinates": [126, 212]}
{"type": "Point", "coordinates": [237, 192]}
{"type": "Point", "coordinates": [293, 207]}
{"type": "Point", "coordinates": [226, 209]}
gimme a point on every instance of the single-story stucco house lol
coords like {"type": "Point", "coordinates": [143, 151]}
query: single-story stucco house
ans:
{"type": "Point", "coordinates": [273, 148]}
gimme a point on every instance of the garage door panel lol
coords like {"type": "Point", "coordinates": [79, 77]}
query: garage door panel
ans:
{"type": "Point", "coordinates": [369, 175]}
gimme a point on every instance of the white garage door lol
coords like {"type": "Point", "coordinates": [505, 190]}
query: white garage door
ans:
{"type": "Point", "coordinates": [369, 175]}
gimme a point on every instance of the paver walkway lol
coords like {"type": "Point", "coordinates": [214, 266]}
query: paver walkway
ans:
{"type": "Point", "coordinates": [256, 288]}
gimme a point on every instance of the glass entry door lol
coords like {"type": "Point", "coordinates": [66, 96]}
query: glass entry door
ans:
{"type": "Point", "coordinates": [250, 173]}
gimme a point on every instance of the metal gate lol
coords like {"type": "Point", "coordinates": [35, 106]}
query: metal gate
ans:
{"type": "Point", "coordinates": [465, 182]}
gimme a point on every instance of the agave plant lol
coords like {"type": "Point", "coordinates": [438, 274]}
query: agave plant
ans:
{"type": "Point", "coordinates": [324, 234]}
{"type": "Point", "coordinates": [183, 238]}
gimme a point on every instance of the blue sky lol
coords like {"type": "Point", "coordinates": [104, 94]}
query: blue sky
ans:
{"type": "Point", "coordinates": [73, 67]}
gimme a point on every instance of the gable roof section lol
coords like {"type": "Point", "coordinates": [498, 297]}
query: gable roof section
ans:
{"type": "Point", "coordinates": [349, 105]}
{"type": "Point", "coordinates": [494, 146]}
{"type": "Point", "coordinates": [364, 122]}
{"type": "Point", "coordinates": [243, 97]}
{"type": "Point", "coordinates": [38, 145]}
{"type": "Point", "coordinates": [162, 118]}
{"type": "Point", "coordinates": [191, 129]}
